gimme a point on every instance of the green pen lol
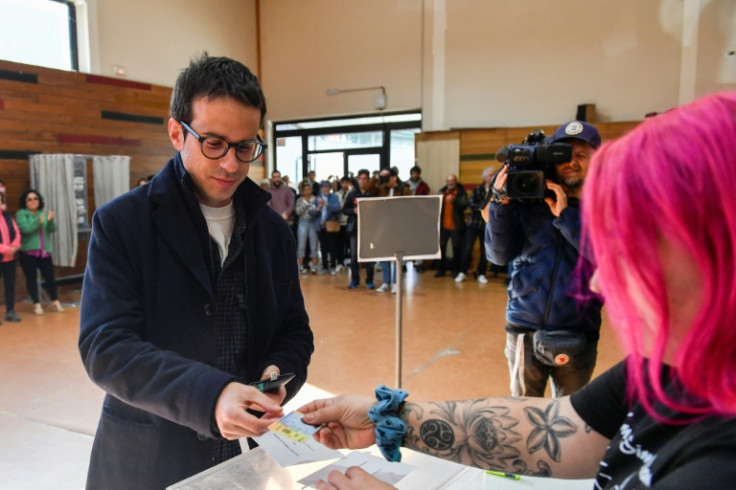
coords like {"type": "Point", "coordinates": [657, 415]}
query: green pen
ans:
{"type": "Point", "coordinates": [503, 474]}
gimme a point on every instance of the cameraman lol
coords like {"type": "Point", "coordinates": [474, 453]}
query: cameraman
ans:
{"type": "Point", "coordinates": [550, 332]}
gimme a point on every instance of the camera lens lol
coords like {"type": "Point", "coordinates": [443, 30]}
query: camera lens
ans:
{"type": "Point", "coordinates": [527, 184]}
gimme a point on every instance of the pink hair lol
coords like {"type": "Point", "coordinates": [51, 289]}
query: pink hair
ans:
{"type": "Point", "coordinates": [671, 180]}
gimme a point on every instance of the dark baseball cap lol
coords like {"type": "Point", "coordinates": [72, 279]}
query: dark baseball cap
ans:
{"type": "Point", "coordinates": [578, 130]}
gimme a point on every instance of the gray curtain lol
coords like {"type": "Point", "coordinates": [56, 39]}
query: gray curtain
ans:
{"type": "Point", "coordinates": [111, 176]}
{"type": "Point", "coordinates": [52, 175]}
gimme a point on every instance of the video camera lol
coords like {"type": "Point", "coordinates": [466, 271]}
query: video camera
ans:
{"type": "Point", "coordinates": [531, 163]}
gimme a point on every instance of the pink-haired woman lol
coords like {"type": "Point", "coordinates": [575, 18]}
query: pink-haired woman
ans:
{"type": "Point", "coordinates": [659, 208]}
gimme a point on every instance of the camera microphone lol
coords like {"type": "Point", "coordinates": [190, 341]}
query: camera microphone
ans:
{"type": "Point", "coordinates": [502, 154]}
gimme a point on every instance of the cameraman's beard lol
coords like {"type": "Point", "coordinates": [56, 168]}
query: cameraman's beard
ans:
{"type": "Point", "coordinates": [572, 182]}
{"type": "Point", "coordinates": [572, 179]}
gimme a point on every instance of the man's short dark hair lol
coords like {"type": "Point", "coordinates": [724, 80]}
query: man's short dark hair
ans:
{"type": "Point", "coordinates": [214, 77]}
{"type": "Point", "coordinates": [275, 172]}
{"type": "Point", "coordinates": [416, 169]}
{"type": "Point", "coordinates": [364, 171]}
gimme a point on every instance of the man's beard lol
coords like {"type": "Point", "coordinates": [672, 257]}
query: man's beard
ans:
{"type": "Point", "coordinates": [276, 183]}
{"type": "Point", "coordinates": [571, 181]}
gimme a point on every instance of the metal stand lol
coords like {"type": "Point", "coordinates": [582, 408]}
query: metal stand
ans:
{"type": "Point", "coordinates": [399, 289]}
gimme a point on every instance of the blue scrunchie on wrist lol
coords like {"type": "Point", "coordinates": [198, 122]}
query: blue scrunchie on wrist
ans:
{"type": "Point", "coordinates": [390, 429]}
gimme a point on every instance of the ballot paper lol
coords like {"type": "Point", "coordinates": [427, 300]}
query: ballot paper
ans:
{"type": "Point", "coordinates": [293, 427]}
{"type": "Point", "coordinates": [385, 471]}
{"type": "Point", "coordinates": [288, 452]}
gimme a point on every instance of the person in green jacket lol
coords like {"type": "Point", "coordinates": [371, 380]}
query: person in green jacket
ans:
{"type": "Point", "coordinates": [35, 225]}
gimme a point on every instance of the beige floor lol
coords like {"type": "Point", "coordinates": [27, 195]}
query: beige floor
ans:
{"type": "Point", "coordinates": [452, 349]}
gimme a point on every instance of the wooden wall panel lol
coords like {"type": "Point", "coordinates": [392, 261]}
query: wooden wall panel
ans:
{"type": "Point", "coordinates": [51, 111]}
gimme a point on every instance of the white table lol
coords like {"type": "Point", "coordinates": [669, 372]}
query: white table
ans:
{"type": "Point", "coordinates": [256, 470]}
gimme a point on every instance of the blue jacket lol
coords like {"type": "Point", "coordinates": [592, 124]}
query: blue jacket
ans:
{"type": "Point", "coordinates": [148, 334]}
{"type": "Point", "coordinates": [331, 210]}
{"type": "Point", "coordinates": [543, 250]}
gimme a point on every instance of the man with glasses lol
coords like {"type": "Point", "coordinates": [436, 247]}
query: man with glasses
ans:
{"type": "Point", "coordinates": [191, 292]}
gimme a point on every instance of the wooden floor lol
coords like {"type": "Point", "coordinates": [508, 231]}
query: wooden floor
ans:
{"type": "Point", "coordinates": [453, 341]}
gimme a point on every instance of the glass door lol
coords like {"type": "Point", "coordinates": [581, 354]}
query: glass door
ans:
{"type": "Point", "coordinates": [358, 161]}
{"type": "Point", "coordinates": [327, 166]}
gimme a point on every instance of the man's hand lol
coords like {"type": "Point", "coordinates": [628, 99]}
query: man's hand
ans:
{"type": "Point", "coordinates": [285, 216]}
{"type": "Point", "coordinates": [558, 204]}
{"type": "Point", "coordinates": [354, 479]}
{"type": "Point", "coordinates": [231, 417]}
{"type": "Point", "coordinates": [279, 395]}
{"type": "Point", "coordinates": [485, 212]}
{"type": "Point", "coordinates": [499, 183]}
{"type": "Point", "coordinates": [346, 420]}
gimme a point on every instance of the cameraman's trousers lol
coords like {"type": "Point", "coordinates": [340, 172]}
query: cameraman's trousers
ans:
{"type": "Point", "coordinates": [529, 375]}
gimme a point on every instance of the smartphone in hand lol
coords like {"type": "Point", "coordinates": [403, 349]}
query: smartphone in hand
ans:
{"type": "Point", "coordinates": [271, 385]}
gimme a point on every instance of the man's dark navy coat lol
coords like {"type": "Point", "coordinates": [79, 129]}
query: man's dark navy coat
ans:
{"type": "Point", "coordinates": [148, 335]}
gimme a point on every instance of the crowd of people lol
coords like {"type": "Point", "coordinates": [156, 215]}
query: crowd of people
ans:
{"type": "Point", "coordinates": [323, 216]}
{"type": "Point", "coordinates": [25, 239]}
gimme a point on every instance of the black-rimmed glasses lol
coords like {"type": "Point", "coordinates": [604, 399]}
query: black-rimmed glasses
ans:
{"type": "Point", "coordinates": [214, 147]}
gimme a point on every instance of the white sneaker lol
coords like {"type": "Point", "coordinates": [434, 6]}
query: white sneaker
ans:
{"type": "Point", "coordinates": [382, 288]}
{"type": "Point", "coordinates": [460, 277]}
{"type": "Point", "coordinates": [393, 288]}
{"type": "Point", "coordinates": [482, 279]}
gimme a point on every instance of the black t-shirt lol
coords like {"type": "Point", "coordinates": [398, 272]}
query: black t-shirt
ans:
{"type": "Point", "coordinates": [646, 453]}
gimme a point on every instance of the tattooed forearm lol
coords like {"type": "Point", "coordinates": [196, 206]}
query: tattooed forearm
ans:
{"type": "Point", "coordinates": [548, 428]}
{"type": "Point", "coordinates": [470, 432]}
{"type": "Point", "coordinates": [520, 436]}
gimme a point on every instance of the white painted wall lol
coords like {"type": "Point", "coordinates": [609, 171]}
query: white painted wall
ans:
{"type": "Point", "coordinates": [155, 39]}
{"type": "Point", "coordinates": [534, 61]}
{"type": "Point", "coordinates": [310, 46]}
{"type": "Point", "coordinates": [465, 63]}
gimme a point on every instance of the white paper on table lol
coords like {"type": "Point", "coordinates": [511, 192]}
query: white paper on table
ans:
{"type": "Point", "coordinates": [385, 471]}
{"type": "Point", "coordinates": [287, 452]}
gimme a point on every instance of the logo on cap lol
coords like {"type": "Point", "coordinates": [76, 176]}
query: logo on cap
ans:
{"type": "Point", "coordinates": [573, 128]}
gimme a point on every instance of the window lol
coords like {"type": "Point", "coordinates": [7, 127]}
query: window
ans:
{"type": "Point", "coordinates": [342, 146]}
{"type": "Point", "coordinates": [39, 32]}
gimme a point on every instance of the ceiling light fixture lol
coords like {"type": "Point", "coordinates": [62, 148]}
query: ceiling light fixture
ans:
{"type": "Point", "coordinates": [379, 101]}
